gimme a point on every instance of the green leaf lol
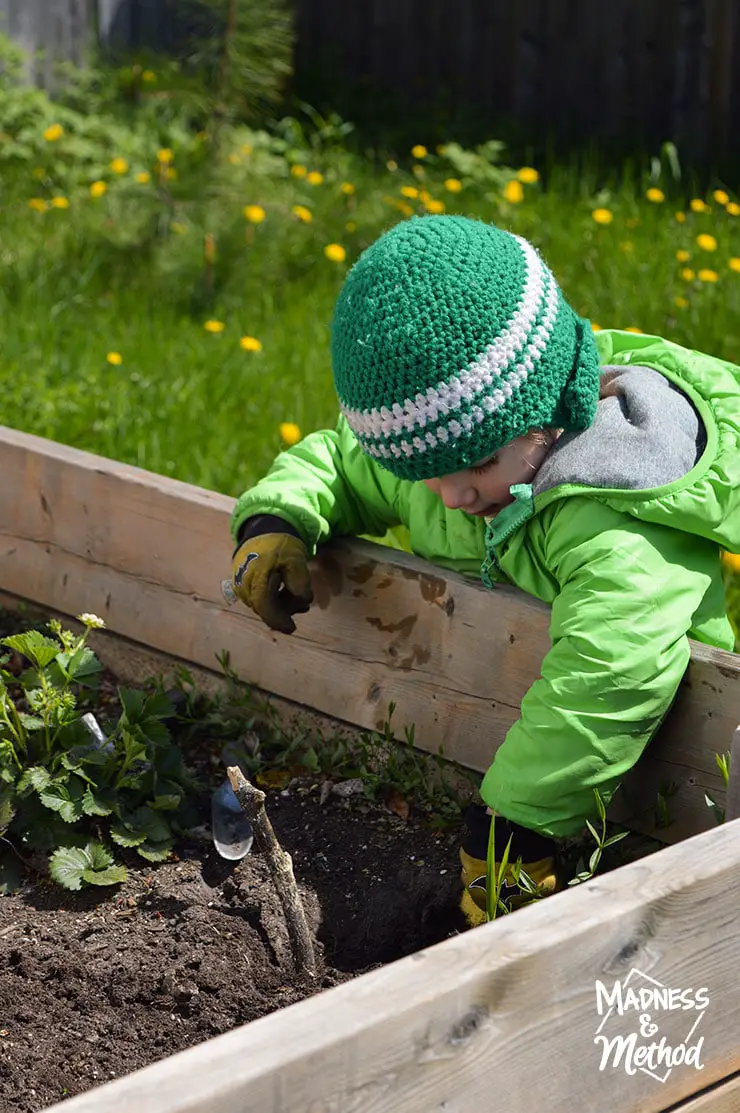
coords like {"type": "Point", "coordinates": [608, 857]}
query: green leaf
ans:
{"type": "Point", "coordinates": [84, 668]}
{"type": "Point", "coordinates": [35, 646]}
{"type": "Point", "coordinates": [67, 866]}
{"type": "Point", "coordinates": [113, 875]}
{"type": "Point", "coordinates": [95, 803]}
{"type": "Point", "coordinates": [7, 812]}
{"type": "Point", "coordinates": [38, 777]}
{"type": "Point", "coordinates": [65, 798]}
{"type": "Point", "coordinates": [93, 864]}
{"type": "Point", "coordinates": [155, 851]}
{"type": "Point", "coordinates": [154, 825]}
{"type": "Point", "coordinates": [167, 802]}
{"type": "Point", "coordinates": [593, 831]}
{"type": "Point", "coordinates": [125, 837]}
{"type": "Point", "coordinates": [132, 701]}
{"type": "Point", "coordinates": [31, 722]}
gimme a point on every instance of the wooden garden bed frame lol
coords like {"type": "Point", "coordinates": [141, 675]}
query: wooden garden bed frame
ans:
{"type": "Point", "coordinates": [487, 1020]}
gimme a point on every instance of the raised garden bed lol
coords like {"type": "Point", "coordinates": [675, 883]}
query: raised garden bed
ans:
{"type": "Point", "coordinates": [470, 1022]}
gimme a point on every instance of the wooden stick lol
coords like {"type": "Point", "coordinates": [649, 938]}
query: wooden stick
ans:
{"type": "Point", "coordinates": [281, 869]}
{"type": "Point", "coordinates": [732, 805]}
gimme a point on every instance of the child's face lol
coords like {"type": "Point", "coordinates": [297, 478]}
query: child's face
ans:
{"type": "Point", "coordinates": [483, 490]}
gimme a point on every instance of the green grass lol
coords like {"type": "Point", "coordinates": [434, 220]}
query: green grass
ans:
{"type": "Point", "coordinates": [128, 273]}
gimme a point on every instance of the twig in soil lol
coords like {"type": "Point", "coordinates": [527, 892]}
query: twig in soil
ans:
{"type": "Point", "coordinates": [279, 862]}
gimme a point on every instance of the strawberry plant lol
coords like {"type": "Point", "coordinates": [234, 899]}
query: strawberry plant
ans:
{"type": "Point", "coordinates": [68, 788]}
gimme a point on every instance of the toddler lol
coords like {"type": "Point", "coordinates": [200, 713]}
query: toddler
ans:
{"type": "Point", "coordinates": [600, 474]}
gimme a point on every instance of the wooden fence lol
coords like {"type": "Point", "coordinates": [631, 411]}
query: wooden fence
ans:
{"type": "Point", "coordinates": [630, 71]}
{"type": "Point", "coordinates": [635, 72]}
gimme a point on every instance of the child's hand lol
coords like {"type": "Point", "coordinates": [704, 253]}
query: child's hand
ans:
{"type": "Point", "coordinates": [270, 574]}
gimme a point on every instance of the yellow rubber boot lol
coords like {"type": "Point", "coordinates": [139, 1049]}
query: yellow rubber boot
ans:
{"type": "Point", "coordinates": [525, 844]}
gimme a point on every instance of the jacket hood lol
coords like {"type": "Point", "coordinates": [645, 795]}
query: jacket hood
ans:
{"type": "Point", "coordinates": [665, 444]}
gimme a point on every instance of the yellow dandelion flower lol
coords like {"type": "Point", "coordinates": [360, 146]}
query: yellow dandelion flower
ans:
{"type": "Point", "coordinates": [289, 432]}
{"type": "Point", "coordinates": [731, 561]}
{"type": "Point", "coordinates": [315, 178]}
{"type": "Point", "coordinates": [627, 247]}
{"type": "Point", "coordinates": [680, 302]}
{"type": "Point", "coordinates": [149, 76]}
{"type": "Point", "coordinates": [214, 326]}
{"type": "Point", "coordinates": [699, 206]}
{"type": "Point", "coordinates": [255, 214]}
{"type": "Point", "coordinates": [246, 148]}
{"type": "Point", "coordinates": [681, 218]}
{"type": "Point", "coordinates": [433, 206]}
{"type": "Point", "coordinates": [38, 205]}
{"type": "Point", "coordinates": [513, 192]}
{"type": "Point", "coordinates": [97, 189]}
{"type": "Point", "coordinates": [302, 213]}
{"type": "Point", "coordinates": [60, 203]}
{"type": "Point", "coordinates": [53, 132]}
{"type": "Point", "coordinates": [347, 188]}
{"type": "Point", "coordinates": [707, 275]}
{"type": "Point", "coordinates": [682, 256]}
{"type": "Point", "coordinates": [298, 171]}
{"type": "Point", "coordinates": [419, 151]}
{"type": "Point", "coordinates": [734, 264]}
{"type": "Point", "coordinates": [733, 208]}
{"type": "Point", "coordinates": [350, 226]}
{"type": "Point", "coordinates": [424, 196]}
{"type": "Point", "coordinates": [706, 242]}
{"type": "Point", "coordinates": [721, 197]}
{"type": "Point", "coordinates": [687, 274]}
{"type": "Point", "coordinates": [115, 358]}
{"type": "Point", "coordinates": [143, 177]}
{"type": "Point", "coordinates": [631, 328]}
{"type": "Point", "coordinates": [392, 165]}
{"type": "Point", "coordinates": [335, 252]}
{"type": "Point", "coordinates": [250, 344]}
{"type": "Point", "coordinates": [165, 155]}
{"type": "Point", "coordinates": [235, 159]}
{"type": "Point", "coordinates": [405, 209]}
{"type": "Point", "coordinates": [595, 327]}
{"type": "Point", "coordinates": [655, 195]}
{"type": "Point", "coordinates": [453, 185]}
{"type": "Point", "coordinates": [409, 191]}
{"type": "Point", "coordinates": [528, 175]}
{"type": "Point", "coordinates": [603, 216]}
{"type": "Point", "coordinates": [119, 165]}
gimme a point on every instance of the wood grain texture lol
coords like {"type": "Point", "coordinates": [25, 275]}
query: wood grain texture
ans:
{"type": "Point", "coordinates": [732, 809]}
{"type": "Point", "coordinates": [469, 1023]}
{"type": "Point", "coordinates": [82, 533]}
{"type": "Point", "coordinates": [724, 1098]}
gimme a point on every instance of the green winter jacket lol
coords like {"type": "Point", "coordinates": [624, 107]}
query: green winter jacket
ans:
{"type": "Point", "coordinates": [619, 533]}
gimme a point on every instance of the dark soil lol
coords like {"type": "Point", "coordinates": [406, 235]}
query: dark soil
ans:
{"type": "Point", "coordinates": [94, 985]}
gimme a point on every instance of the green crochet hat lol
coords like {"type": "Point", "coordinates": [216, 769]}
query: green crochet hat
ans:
{"type": "Point", "coordinates": [450, 338]}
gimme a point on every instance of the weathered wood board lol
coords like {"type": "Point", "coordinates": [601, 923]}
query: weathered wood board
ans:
{"type": "Point", "coordinates": [82, 533]}
{"type": "Point", "coordinates": [478, 1020]}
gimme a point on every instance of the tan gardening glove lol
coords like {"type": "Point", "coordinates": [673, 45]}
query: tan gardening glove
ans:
{"type": "Point", "coordinates": [269, 573]}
